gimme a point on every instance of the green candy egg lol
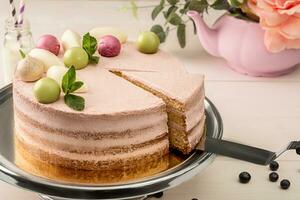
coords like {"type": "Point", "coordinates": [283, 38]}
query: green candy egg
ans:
{"type": "Point", "coordinates": [46, 90]}
{"type": "Point", "coordinates": [76, 57]}
{"type": "Point", "coordinates": [148, 42]}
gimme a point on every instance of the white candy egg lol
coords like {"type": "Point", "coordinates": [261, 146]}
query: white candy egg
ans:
{"type": "Point", "coordinates": [48, 58]}
{"type": "Point", "coordinates": [29, 69]}
{"type": "Point", "coordinates": [70, 39]}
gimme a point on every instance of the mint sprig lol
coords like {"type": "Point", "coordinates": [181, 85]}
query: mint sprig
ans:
{"type": "Point", "coordinates": [70, 85]}
{"type": "Point", "coordinates": [89, 44]}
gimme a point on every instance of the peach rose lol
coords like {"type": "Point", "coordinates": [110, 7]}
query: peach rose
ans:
{"type": "Point", "coordinates": [281, 21]}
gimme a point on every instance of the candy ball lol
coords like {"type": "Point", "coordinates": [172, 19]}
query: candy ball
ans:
{"type": "Point", "coordinates": [46, 90]}
{"type": "Point", "coordinates": [50, 43]}
{"type": "Point", "coordinates": [29, 69]}
{"type": "Point", "coordinates": [148, 42]}
{"type": "Point", "coordinates": [77, 57]}
{"type": "Point", "coordinates": [109, 46]}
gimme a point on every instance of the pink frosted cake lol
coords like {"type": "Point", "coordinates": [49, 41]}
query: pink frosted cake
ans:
{"type": "Point", "coordinates": [136, 106]}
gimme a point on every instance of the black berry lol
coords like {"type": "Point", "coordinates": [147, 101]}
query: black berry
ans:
{"type": "Point", "coordinates": [158, 195]}
{"type": "Point", "coordinates": [244, 177]}
{"type": "Point", "coordinates": [274, 166]}
{"type": "Point", "coordinates": [273, 176]}
{"type": "Point", "coordinates": [298, 151]}
{"type": "Point", "coordinates": [285, 184]}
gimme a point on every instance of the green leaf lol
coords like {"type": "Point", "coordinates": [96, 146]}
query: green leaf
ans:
{"type": "Point", "coordinates": [75, 86]}
{"type": "Point", "coordinates": [234, 3]}
{"type": "Point", "coordinates": [157, 28]}
{"type": "Point", "coordinates": [134, 9]}
{"type": "Point", "coordinates": [199, 6]}
{"type": "Point", "coordinates": [181, 35]}
{"type": "Point", "coordinates": [23, 55]}
{"type": "Point", "coordinates": [162, 2]}
{"type": "Point", "coordinates": [171, 9]}
{"type": "Point", "coordinates": [185, 8]}
{"type": "Point", "coordinates": [159, 31]}
{"type": "Point", "coordinates": [89, 44]}
{"type": "Point", "coordinates": [68, 79]}
{"type": "Point", "coordinates": [75, 102]}
{"type": "Point", "coordinates": [174, 19]}
{"type": "Point", "coordinates": [220, 5]}
{"type": "Point", "coordinates": [173, 2]}
{"type": "Point", "coordinates": [156, 11]}
{"type": "Point", "coordinates": [94, 60]}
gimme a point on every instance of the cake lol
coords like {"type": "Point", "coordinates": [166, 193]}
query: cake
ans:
{"type": "Point", "coordinates": [137, 107]}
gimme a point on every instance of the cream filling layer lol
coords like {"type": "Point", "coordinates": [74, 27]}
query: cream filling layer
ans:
{"type": "Point", "coordinates": [139, 137]}
{"type": "Point", "coordinates": [195, 135]}
{"type": "Point", "coordinates": [85, 123]}
{"type": "Point", "coordinates": [149, 149]}
{"type": "Point", "coordinates": [193, 115]}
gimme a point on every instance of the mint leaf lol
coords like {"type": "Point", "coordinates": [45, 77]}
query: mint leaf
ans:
{"type": "Point", "coordinates": [70, 85]}
{"type": "Point", "coordinates": [94, 59]}
{"type": "Point", "coordinates": [89, 44]}
{"type": "Point", "coordinates": [75, 86]}
{"type": "Point", "coordinates": [23, 55]}
{"type": "Point", "coordinates": [68, 79]}
{"type": "Point", "coordinates": [75, 102]}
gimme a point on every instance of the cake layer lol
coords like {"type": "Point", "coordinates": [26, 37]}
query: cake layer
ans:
{"type": "Point", "coordinates": [93, 161]}
{"type": "Point", "coordinates": [126, 174]}
{"type": "Point", "coordinates": [186, 141]}
{"type": "Point", "coordinates": [187, 120]}
{"type": "Point", "coordinates": [104, 145]}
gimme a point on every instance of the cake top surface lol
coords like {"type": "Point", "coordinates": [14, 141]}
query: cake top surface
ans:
{"type": "Point", "coordinates": [107, 94]}
{"type": "Point", "coordinates": [110, 94]}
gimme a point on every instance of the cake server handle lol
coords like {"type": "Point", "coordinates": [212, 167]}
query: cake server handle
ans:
{"type": "Point", "coordinates": [243, 152]}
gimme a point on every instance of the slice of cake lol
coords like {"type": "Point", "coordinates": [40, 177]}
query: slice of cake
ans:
{"type": "Point", "coordinates": [184, 97]}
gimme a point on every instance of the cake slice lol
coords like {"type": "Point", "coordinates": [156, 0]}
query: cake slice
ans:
{"type": "Point", "coordinates": [184, 97]}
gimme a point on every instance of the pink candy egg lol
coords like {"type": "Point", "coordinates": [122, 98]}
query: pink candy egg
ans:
{"type": "Point", "coordinates": [50, 43]}
{"type": "Point", "coordinates": [109, 46]}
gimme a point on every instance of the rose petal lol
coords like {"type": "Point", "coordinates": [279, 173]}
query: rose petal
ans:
{"type": "Point", "coordinates": [293, 44]}
{"type": "Point", "coordinates": [270, 18]}
{"type": "Point", "coordinates": [291, 28]}
{"type": "Point", "coordinates": [291, 11]}
{"type": "Point", "coordinates": [274, 41]}
{"type": "Point", "coordinates": [284, 4]}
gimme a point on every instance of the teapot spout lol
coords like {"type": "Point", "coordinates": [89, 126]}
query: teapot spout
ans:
{"type": "Point", "coordinates": [207, 36]}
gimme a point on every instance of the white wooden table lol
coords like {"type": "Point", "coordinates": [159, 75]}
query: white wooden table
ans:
{"type": "Point", "coordinates": [263, 112]}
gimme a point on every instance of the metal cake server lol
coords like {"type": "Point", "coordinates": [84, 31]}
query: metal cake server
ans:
{"type": "Point", "coordinates": [243, 152]}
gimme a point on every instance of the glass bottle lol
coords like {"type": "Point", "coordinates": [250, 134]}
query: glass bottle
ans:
{"type": "Point", "coordinates": [17, 37]}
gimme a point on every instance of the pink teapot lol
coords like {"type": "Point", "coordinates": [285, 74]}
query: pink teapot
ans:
{"type": "Point", "coordinates": [241, 44]}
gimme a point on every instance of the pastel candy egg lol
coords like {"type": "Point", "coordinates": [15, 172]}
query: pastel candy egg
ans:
{"type": "Point", "coordinates": [50, 43]}
{"type": "Point", "coordinates": [103, 31]}
{"type": "Point", "coordinates": [47, 58]}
